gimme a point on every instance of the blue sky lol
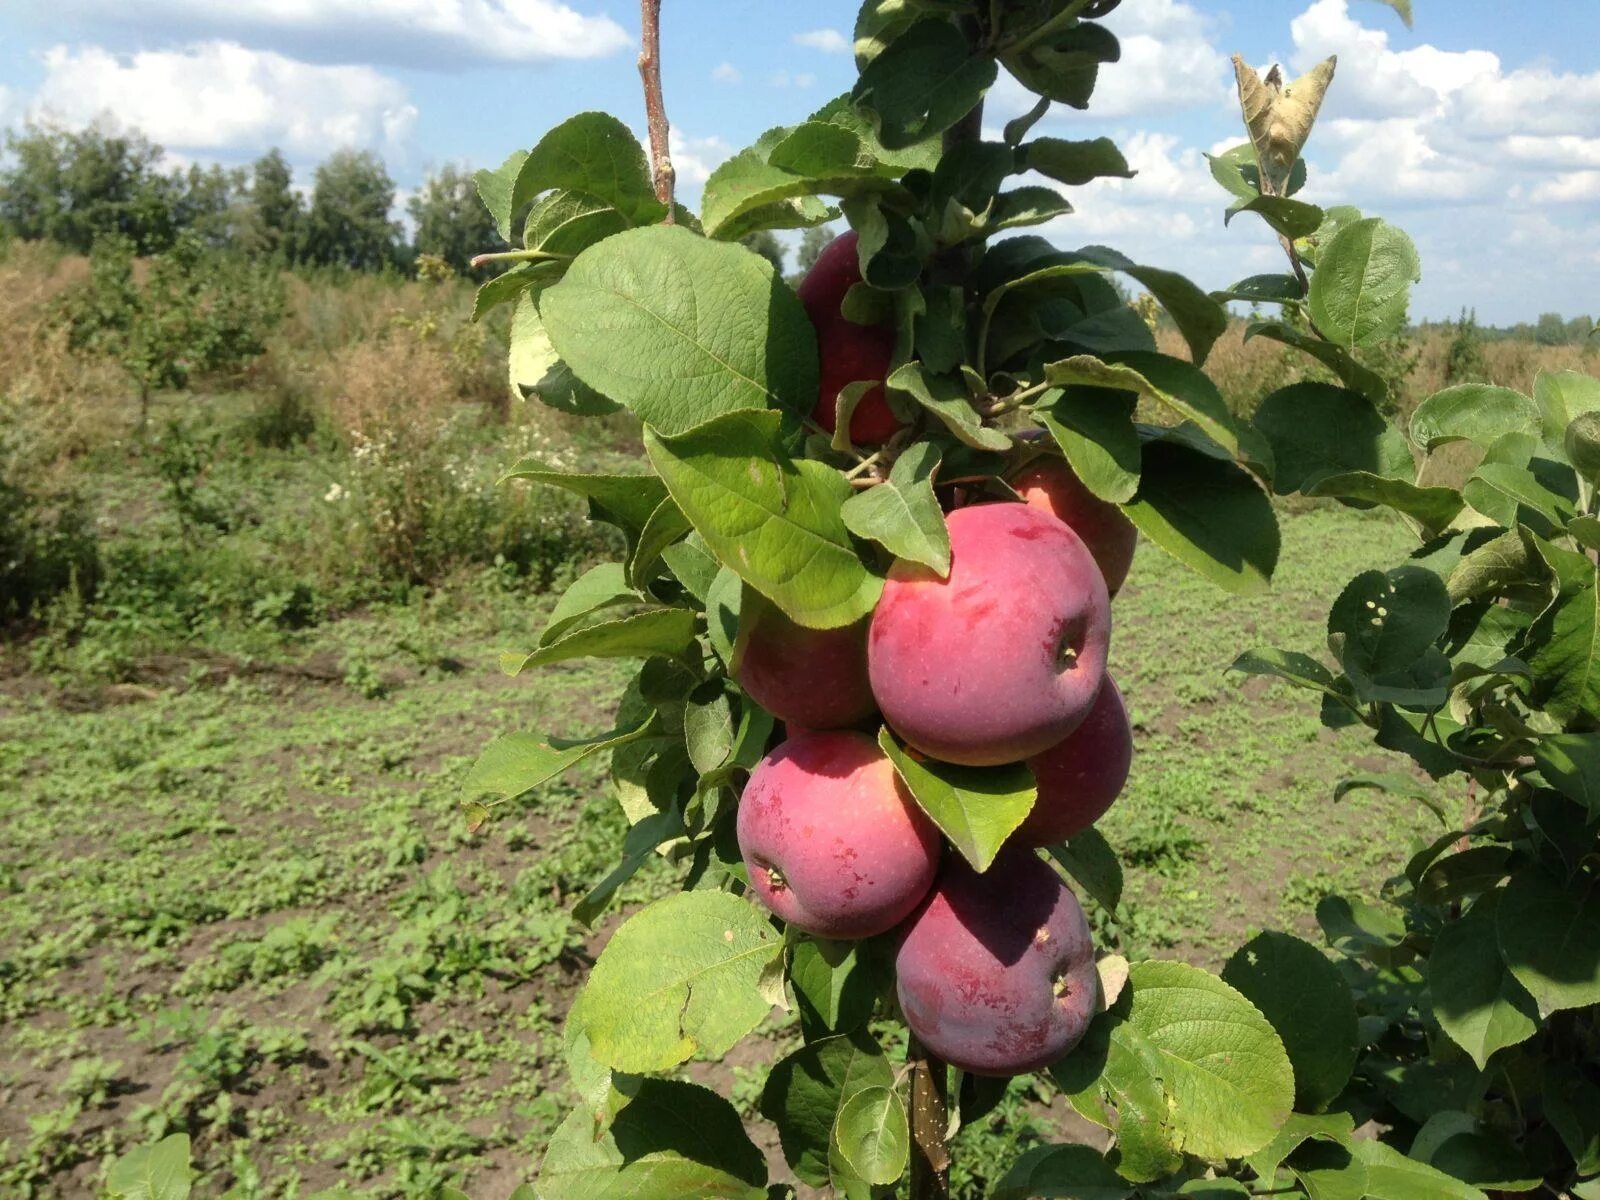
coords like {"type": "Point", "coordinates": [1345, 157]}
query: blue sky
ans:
{"type": "Point", "coordinates": [1477, 133]}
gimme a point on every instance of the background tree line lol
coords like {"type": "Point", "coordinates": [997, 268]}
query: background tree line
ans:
{"type": "Point", "coordinates": [74, 186]}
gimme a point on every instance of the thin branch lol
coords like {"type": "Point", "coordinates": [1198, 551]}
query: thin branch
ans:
{"type": "Point", "coordinates": [654, 106]}
{"type": "Point", "coordinates": [930, 1117]}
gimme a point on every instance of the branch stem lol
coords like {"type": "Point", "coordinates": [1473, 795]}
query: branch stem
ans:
{"type": "Point", "coordinates": [930, 1117]}
{"type": "Point", "coordinates": [514, 256]}
{"type": "Point", "coordinates": [655, 107]}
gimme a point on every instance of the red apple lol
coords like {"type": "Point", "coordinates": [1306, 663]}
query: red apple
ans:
{"type": "Point", "coordinates": [831, 841]}
{"type": "Point", "coordinates": [1081, 776]}
{"type": "Point", "coordinates": [1050, 484]}
{"type": "Point", "coordinates": [816, 678]}
{"type": "Point", "coordinates": [849, 352]}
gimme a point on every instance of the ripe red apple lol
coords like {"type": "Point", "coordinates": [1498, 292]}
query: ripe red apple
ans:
{"type": "Point", "coordinates": [1002, 659]}
{"type": "Point", "coordinates": [996, 973]}
{"type": "Point", "coordinates": [1050, 484]}
{"type": "Point", "coordinates": [816, 678]}
{"type": "Point", "coordinates": [831, 841]}
{"type": "Point", "coordinates": [850, 352]}
{"type": "Point", "coordinates": [1081, 776]}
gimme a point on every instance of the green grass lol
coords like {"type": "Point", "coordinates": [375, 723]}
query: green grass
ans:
{"type": "Point", "coordinates": [240, 900]}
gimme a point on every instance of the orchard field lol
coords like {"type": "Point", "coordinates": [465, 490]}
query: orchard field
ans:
{"type": "Point", "coordinates": [238, 894]}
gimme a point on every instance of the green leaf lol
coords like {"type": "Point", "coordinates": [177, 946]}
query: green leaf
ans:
{"type": "Point", "coordinates": [1075, 163]}
{"type": "Point", "coordinates": [568, 223]}
{"type": "Point", "coordinates": [592, 152]}
{"type": "Point", "coordinates": [774, 521]}
{"type": "Point", "coordinates": [838, 1118]}
{"type": "Point", "coordinates": [641, 843]}
{"type": "Point", "coordinates": [1063, 1172]}
{"type": "Point", "coordinates": [679, 979]}
{"type": "Point", "coordinates": [722, 612]}
{"type": "Point", "coordinates": [521, 283]}
{"type": "Point", "coordinates": [1358, 930]}
{"type": "Point", "coordinates": [1383, 629]}
{"type": "Point", "coordinates": [673, 1141]}
{"type": "Point", "coordinates": [1565, 640]}
{"type": "Point", "coordinates": [1473, 412]}
{"type": "Point", "coordinates": [1171, 382]}
{"type": "Point", "coordinates": [515, 763]}
{"type": "Point", "coordinates": [1479, 1003]}
{"type": "Point", "coordinates": [1495, 565]}
{"type": "Point", "coordinates": [1293, 219]}
{"type": "Point", "coordinates": [664, 632]}
{"type": "Point", "coordinates": [1351, 373]}
{"type": "Point", "coordinates": [1309, 1003]}
{"type": "Point", "coordinates": [1063, 64]}
{"type": "Point", "coordinates": [1093, 865]}
{"type": "Point", "coordinates": [625, 501]}
{"type": "Point", "coordinates": [1550, 939]}
{"type": "Point", "coordinates": [158, 1172]}
{"type": "Point", "coordinates": [1238, 171]}
{"type": "Point", "coordinates": [1199, 318]}
{"type": "Point", "coordinates": [1094, 428]}
{"type": "Point", "coordinates": [693, 565]}
{"type": "Point", "coordinates": [1208, 514]}
{"type": "Point", "coordinates": [1362, 284]}
{"type": "Point", "coordinates": [1570, 763]}
{"type": "Point", "coordinates": [1451, 1141]}
{"type": "Point", "coordinates": [1393, 1176]}
{"type": "Point", "coordinates": [1330, 1171]}
{"type": "Point", "coordinates": [1317, 430]}
{"type": "Point", "coordinates": [1300, 1128]}
{"type": "Point", "coordinates": [902, 514]}
{"type": "Point", "coordinates": [596, 589]}
{"type": "Point", "coordinates": [871, 1137]}
{"type": "Point", "coordinates": [666, 525]}
{"type": "Point", "coordinates": [495, 187]}
{"type": "Point", "coordinates": [1563, 396]}
{"type": "Point", "coordinates": [1299, 669]}
{"type": "Point", "coordinates": [924, 82]}
{"type": "Point", "coordinates": [708, 726]}
{"type": "Point", "coordinates": [1264, 289]}
{"type": "Point", "coordinates": [1223, 1069]}
{"type": "Point", "coordinates": [836, 984]}
{"type": "Point", "coordinates": [1393, 784]}
{"type": "Point", "coordinates": [1024, 206]}
{"type": "Point", "coordinates": [945, 396]}
{"type": "Point", "coordinates": [977, 808]}
{"type": "Point", "coordinates": [1433, 508]}
{"type": "Point", "coordinates": [680, 329]}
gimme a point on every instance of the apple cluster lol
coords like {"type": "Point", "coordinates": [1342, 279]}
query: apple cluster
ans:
{"type": "Point", "coordinates": [1001, 661]}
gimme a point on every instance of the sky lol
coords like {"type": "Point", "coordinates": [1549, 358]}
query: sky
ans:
{"type": "Point", "coordinates": [1477, 132]}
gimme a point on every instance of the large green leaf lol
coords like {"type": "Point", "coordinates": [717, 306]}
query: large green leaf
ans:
{"type": "Point", "coordinates": [1393, 1176]}
{"type": "Point", "coordinates": [924, 82]}
{"type": "Point", "coordinates": [902, 514]}
{"type": "Point", "coordinates": [1550, 939]}
{"type": "Point", "coordinates": [680, 329]}
{"type": "Point", "coordinates": [672, 1141]}
{"type": "Point", "coordinates": [977, 808]}
{"type": "Point", "coordinates": [649, 633]}
{"type": "Point", "coordinates": [871, 1137]}
{"type": "Point", "coordinates": [1570, 763]}
{"type": "Point", "coordinates": [1317, 430]}
{"type": "Point", "coordinates": [1351, 373]}
{"type": "Point", "coordinates": [1094, 428]}
{"type": "Point", "coordinates": [1208, 514]}
{"type": "Point", "coordinates": [1063, 1172]}
{"type": "Point", "coordinates": [495, 188]}
{"type": "Point", "coordinates": [1294, 219]}
{"type": "Point", "coordinates": [822, 1098]}
{"type": "Point", "coordinates": [1477, 1000]}
{"type": "Point", "coordinates": [625, 501]}
{"type": "Point", "coordinates": [836, 984]}
{"type": "Point", "coordinates": [1383, 629]}
{"type": "Point", "coordinates": [1227, 1080]}
{"type": "Point", "coordinates": [1362, 284]}
{"type": "Point", "coordinates": [592, 152]}
{"type": "Point", "coordinates": [597, 589]}
{"type": "Point", "coordinates": [1093, 865]}
{"type": "Point", "coordinates": [1075, 163]}
{"type": "Point", "coordinates": [771, 519]}
{"type": "Point", "coordinates": [1309, 1003]}
{"type": "Point", "coordinates": [1177, 385]}
{"type": "Point", "coordinates": [1565, 640]}
{"type": "Point", "coordinates": [1562, 396]}
{"type": "Point", "coordinates": [1432, 508]}
{"type": "Point", "coordinates": [515, 763]}
{"type": "Point", "coordinates": [681, 978]}
{"type": "Point", "coordinates": [158, 1172]}
{"type": "Point", "coordinates": [945, 396]}
{"type": "Point", "coordinates": [1475, 412]}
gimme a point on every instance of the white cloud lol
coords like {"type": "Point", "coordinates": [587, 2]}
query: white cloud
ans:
{"type": "Point", "coordinates": [695, 158]}
{"type": "Point", "coordinates": [783, 79]}
{"type": "Point", "coordinates": [725, 72]}
{"type": "Point", "coordinates": [419, 33]}
{"type": "Point", "coordinates": [1169, 62]}
{"type": "Point", "coordinates": [221, 96]}
{"type": "Point", "coordinates": [829, 41]}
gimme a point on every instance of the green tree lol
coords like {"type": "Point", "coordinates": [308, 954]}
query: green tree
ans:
{"type": "Point", "coordinates": [451, 222]}
{"type": "Point", "coordinates": [211, 201]}
{"type": "Point", "coordinates": [765, 243]}
{"type": "Point", "coordinates": [275, 215]}
{"type": "Point", "coordinates": [1551, 330]}
{"type": "Point", "coordinates": [72, 187]}
{"type": "Point", "coordinates": [1465, 362]}
{"type": "Point", "coordinates": [348, 224]}
{"type": "Point", "coordinates": [812, 242]}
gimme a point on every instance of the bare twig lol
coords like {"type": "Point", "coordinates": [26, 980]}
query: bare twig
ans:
{"type": "Point", "coordinates": [654, 106]}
